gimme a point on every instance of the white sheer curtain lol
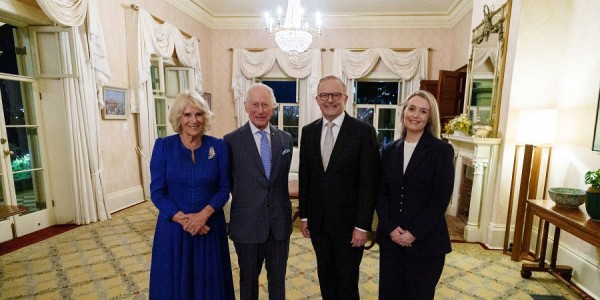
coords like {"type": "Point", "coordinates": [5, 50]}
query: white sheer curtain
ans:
{"type": "Point", "coordinates": [410, 66]}
{"type": "Point", "coordinates": [146, 36]}
{"type": "Point", "coordinates": [305, 66]}
{"type": "Point", "coordinates": [481, 55]}
{"type": "Point", "coordinates": [83, 103]}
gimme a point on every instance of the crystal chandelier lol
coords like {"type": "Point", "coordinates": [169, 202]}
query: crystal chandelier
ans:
{"type": "Point", "coordinates": [292, 36]}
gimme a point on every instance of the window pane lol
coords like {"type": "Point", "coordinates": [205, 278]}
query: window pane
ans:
{"type": "Point", "coordinates": [294, 132]}
{"type": "Point", "coordinates": [291, 115]}
{"type": "Point", "coordinates": [284, 90]}
{"type": "Point", "coordinates": [365, 114]}
{"type": "Point", "coordinates": [385, 136]}
{"type": "Point", "coordinates": [8, 57]}
{"type": "Point", "coordinates": [387, 118]}
{"type": "Point", "coordinates": [30, 191]}
{"type": "Point", "coordinates": [371, 92]}
{"type": "Point", "coordinates": [275, 117]}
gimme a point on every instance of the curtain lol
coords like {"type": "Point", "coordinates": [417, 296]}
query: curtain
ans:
{"type": "Point", "coordinates": [305, 66]}
{"type": "Point", "coordinates": [83, 101]}
{"type": "Point", "coordinates": [145, 37]}
{"type": "Point", "coordinates": [481, 55]}
{"type": "Point", "coordinates": [410, 66]}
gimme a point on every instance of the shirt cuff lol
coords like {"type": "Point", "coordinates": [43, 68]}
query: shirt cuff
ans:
{"type": "Point", "coordinates": [304, 219]}
{"type": "Point", "coordinates": [360, 229]}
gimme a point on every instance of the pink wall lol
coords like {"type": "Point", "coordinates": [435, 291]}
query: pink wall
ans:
{"type": "Point", "coordinates": [445, 55]}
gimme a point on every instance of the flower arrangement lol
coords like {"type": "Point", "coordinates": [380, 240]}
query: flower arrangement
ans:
{"type": "Point", "coordinates": [593, 178]}
{"type": "Point", "coordinates": [459, 123]}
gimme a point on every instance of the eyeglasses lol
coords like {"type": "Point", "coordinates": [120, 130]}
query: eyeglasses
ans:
{"type": "Point", "coordinates": [334, 96]}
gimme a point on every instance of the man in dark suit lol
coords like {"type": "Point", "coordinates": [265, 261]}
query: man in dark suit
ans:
{"type": "Point", "coordinates": [260, 220]}
{"type": "Point", "coordinates": [339, 165]}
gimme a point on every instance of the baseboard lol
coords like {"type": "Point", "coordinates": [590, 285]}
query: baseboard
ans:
{"type": "Point", "coordinates": [586, 271]}
{"type": "Point", "coordinates": [125, 198]}
{"type": "Point", "coordinates": [495, 236]}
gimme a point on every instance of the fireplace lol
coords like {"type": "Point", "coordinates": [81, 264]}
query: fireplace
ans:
{"type": "Point", "coordinates": [476, 163]}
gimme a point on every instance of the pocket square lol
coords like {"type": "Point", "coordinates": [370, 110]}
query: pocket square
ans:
{"type": "Point", "coordinates": [286, 151]}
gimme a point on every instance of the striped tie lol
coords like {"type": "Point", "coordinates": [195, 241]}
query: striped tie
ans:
{"type": "Point", "coordinates": [265, 152]}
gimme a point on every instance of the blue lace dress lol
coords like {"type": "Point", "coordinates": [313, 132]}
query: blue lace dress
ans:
{"type": "Point", "coordinates": [186, 266]}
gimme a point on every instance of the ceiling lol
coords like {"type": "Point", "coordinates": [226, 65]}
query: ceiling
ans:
{"type": "Point", "coordinates": [335, 13]}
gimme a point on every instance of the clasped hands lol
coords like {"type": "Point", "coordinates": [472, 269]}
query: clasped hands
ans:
{"type": "Point", "coordinates": [359, 238]}
{"type": "Point", "coordinates": [194, 223]}
{"type": "Point", "coordinates": [402, 237]}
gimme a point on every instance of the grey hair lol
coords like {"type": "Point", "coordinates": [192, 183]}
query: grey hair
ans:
{"type": "Point", "coordinates": [264, 86]}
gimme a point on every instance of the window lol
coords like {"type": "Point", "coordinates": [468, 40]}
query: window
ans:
{"type": "Point", "coordinates": [168, 79]}
{"type": "Point", "coordinates": [376, 102]}
{"type": "Point", "coordinates": [287, 113]}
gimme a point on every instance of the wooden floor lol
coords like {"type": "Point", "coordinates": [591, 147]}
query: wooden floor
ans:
{"type": "Point", "coordinates": [456, 227]}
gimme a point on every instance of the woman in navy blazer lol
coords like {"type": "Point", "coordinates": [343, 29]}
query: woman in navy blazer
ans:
{"type": "Point", "coordinates": [416, 184]}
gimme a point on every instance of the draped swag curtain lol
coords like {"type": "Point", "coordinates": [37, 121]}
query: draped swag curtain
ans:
{"type": "Point", "coordinates": [306, 67]}
{"type": "Point", "coordinates": [146, 36]}
{"type": "Point", "coordinates": [84, 101]}
{"type": "Point", "coordinates": [410, 66]}
{"type": "Point", "coordinates": [481, 55]}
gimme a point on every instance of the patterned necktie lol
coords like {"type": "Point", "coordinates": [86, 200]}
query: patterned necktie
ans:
{"type": "Point", "coordinates": [265, 152]}
{"type": "Point", "coordinates": [328, 144]}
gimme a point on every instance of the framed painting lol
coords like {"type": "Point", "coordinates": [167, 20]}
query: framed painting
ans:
{"type": "Point", "coordinates": [206, 97]}
{"type": "Point", "coordinates": [115, 103]}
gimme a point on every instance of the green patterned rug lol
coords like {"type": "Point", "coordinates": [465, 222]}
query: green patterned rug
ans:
{"type": "Point", "coordinates": [111, 260]}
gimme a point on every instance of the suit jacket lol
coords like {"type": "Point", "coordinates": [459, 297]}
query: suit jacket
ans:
{"type": "Point", "coordinates": [259, 204]}
{"type": "Point", "coordinates": [416, 200]}
{"type": "Point", "coordinates": [343, 196]}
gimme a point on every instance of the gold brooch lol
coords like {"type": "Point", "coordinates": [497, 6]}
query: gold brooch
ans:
{"type": "Point", "coordinates": [211, 153]}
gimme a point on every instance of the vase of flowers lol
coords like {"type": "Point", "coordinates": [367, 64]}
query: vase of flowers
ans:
{"type": "Point", "coordinates": [592, 201]}
{"type": "Point", "coordinates": [460, 125]}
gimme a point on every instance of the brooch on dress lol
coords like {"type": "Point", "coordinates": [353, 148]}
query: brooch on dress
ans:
{"type": "Point", "coordinates": [211, 153]}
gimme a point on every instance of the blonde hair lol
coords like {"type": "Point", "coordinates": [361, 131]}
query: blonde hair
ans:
{"type": "Point", "coordinates": [195, 100]}
{"type": "Point", "coordinates": [433, 126]}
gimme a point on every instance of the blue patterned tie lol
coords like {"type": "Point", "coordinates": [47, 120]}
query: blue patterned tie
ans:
{"type": "Point", "coordinates": [265, 152]}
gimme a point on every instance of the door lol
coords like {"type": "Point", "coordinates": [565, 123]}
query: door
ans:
{"type": "Point", "coordinates": [21, 168]}
{"type": "Point", "coordinates": [22, 180]}
{"type": "Point", "coordinates": [451, 94]}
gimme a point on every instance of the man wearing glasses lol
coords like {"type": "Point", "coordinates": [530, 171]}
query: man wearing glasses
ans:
{"type": "Point", "coordinates": [339, 165]}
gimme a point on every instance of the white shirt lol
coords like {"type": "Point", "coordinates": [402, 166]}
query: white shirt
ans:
{"type": "Point", "coordinates": [257, 136]}
{"type": "Point", "coordinates": [409, 148]}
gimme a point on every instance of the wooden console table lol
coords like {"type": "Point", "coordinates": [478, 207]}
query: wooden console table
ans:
{"type": "Point", "coordinates": [574, 221]}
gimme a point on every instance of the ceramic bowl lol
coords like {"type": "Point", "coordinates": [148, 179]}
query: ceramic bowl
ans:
{"type": "Point", "coordinates": [567, 197]}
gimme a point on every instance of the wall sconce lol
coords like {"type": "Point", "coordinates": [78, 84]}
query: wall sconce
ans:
{"type": "Point", "coordinates": [536, 132]}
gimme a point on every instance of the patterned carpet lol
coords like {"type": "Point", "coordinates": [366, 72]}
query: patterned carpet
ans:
{"type": "Point", "coordinates": [110, 260]}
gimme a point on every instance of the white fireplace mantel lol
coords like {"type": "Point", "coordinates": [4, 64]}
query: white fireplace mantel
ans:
{"type": "Point", "coordinates": [482, 155]}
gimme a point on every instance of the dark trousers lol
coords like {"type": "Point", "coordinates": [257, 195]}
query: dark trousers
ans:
{"type": "Point", "coordinates": [250, 259]}
{"type": "Point", "coordinates": [403, 276]}
{"type": "Point", "coordinates": [337, 266]}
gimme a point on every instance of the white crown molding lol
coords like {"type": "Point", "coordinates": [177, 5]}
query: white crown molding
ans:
{"type": "Point", "coordinates": [444, 20]}
{"type": "Point", "coordinates": [20, 14]}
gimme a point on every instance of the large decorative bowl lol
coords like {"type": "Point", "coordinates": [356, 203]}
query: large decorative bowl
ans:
{"type": "Point", "coordinates": [567, 197]}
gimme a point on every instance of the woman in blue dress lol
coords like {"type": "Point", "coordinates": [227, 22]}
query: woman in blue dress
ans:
{"type": "Point", "coordinates": [189, 186]}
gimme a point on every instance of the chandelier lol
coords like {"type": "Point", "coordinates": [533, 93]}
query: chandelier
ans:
{"type": "Point", "coordinates": [292, 36]}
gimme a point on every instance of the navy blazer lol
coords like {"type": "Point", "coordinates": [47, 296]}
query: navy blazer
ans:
{"type": "Point", "coordinates": [416, 200]}
{"type": "Point", "coordinates": [259, 204]}
{"type": "Point", "coordinates": [344, 195]}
